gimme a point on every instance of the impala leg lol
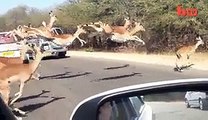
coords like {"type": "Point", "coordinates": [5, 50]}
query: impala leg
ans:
{"type": "Point", "coordinates": [82, 41]}
{"type": "Point", "coordinates": [188, 59]}
{"type": "Point", "coordinates": [19, 93]}
{"type": "Point", "coordinates": [18, 118]}
{"type": "Point", "coordinates": [138, 39]}
{"type": "Point", "coordinates": [188, 56]}
{"type": "Point", "coordinates": [20, 111]}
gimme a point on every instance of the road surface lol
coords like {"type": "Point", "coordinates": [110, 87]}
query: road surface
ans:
{"type": "Point", "coordinates": [66, 82]}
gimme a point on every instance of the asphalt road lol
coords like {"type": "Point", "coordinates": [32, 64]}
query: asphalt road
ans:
{"type": "Point", "coordinates": [66, 82]}
{"type": "Point", "coordinates": [176, 111]}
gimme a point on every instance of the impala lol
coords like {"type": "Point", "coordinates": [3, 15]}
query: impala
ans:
{"type": "Point", "coordinates": [18, 73]}
{"type": "Point", "coordinates": [118, 29]}
{"type": "Point", "coordinates": [128, 35]}
{"type": "Point", "coordinates": [67, 39]}
{"type": "Point", "coordinates": [29, 31]}
{"type": "Point", "coordinates": [187, 51]}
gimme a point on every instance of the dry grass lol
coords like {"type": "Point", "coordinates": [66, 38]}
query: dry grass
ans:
{"type": "Point", "coordinates": [200, 60]}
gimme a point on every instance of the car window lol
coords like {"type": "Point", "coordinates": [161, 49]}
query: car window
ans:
{"type": "Point", "coordinates": [121, 109]}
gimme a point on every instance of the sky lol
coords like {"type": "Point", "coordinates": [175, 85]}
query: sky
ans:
{"type": "Point", "coordinates": [5, 5]}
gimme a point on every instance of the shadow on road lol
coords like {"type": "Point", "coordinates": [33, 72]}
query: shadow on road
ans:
{"type": "Point", "coordinates": [33, 96]}
{"type": "Point", "coordinates": [117, 77]}
{"type": "Point", "coordinates": [65, 75]}
{"type": "Point", "coordinates": [184, 67]}
{"type": "Point", "coordinates": [72, 76]}
{"type": "Point", "coordinates": [54, 76]}
{"type": "Point", "coordinates": [32, 107]}
{"type": "Point", "coordinates": [54, 58]}
{"type": "Point", "coordinates": [112, 68]}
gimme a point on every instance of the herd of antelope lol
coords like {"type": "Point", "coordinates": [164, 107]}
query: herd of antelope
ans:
{"type": "Point", "coordinates": [13, 69]}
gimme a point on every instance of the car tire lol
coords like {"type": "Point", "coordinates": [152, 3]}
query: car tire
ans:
{"type": "Point", "coordinates": [201, 105]}
{"type": "Point", "coordinates": [187, 103]}
{"type": "Point", "coordinates": [62, 54]}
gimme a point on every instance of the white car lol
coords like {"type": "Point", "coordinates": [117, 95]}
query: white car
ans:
{"type": "Point", "coordinates": [8, 46]}
{"type": "Point", "coordinates": [196, 99]}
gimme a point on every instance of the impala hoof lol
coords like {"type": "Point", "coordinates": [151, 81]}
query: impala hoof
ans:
{"type": "Point", "coordinates": [16, 94]}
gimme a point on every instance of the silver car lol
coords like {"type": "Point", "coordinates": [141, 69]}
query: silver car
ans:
{"type": "Point", "coordinates": [196, 99]}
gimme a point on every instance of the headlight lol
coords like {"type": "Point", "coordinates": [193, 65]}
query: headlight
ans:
{"type": "Point", "coordinates": [46, 47]}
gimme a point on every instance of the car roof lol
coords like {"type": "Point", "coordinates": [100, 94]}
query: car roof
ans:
{"type": "Point", "coordinates": [4, 32]}
{"type": "Point", "coordinates": [94, 100]}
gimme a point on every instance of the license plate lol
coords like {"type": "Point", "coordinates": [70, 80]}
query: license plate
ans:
{"type": "Point", "coordinates": [7, 54]}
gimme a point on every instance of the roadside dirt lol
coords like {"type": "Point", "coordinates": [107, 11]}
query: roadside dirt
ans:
{"type": "Point", "coordinates": [200, 60]}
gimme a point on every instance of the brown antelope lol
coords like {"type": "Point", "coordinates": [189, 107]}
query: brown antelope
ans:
{"type": "Point", "coordinates": [187, 51]}
{"type": "Point", "coordinates": [48, 26]}
{"type": "Point", "coordinates": [106, 27]}
{"type": "Point", "coordinates": [122, 29]}
{"type": "Point", "coordinates": [67, 39]}
{"type": "Point", "coordinates": [18, 73]}
{"type": "Point", "coordinates": [29, 31]}
{"type": "Point", "coordinates": [25, 31]}
{"type": "Point", "coordinates": [118, 29]}
{"type": "Point", "coordinates": [53, 19]}
{"type": "Point", "coordinates": [128, 35]}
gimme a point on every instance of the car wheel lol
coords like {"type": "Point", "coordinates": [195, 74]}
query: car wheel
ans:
{"type": "Point", "coordinates": [62, 54]}
{"type": "Point", "coordinates": [187, 103]}
{"type": "Point", "coordinates": [201, 105]}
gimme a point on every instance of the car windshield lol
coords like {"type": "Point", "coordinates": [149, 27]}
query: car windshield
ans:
{"type": "Point", "coordinates": [79, 48]}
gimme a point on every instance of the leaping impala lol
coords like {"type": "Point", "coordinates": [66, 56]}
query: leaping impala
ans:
{"type": "Point", "coordinates": [118, 29]}
{"type": "Point", "coordinates": [18, 73]}
{"type": "Point", "coordinates": [187, 51]}
{"type": "Point", "coordinates": [67, 39]}
{"type": "Point", "coordinates": [49, 26]}
{"type": "Point", "coordinates": [29, 31]}
{"type": "Point", "coordinates": [122, 29]}
{"type": "Point", "coordinates": [126, 35]}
